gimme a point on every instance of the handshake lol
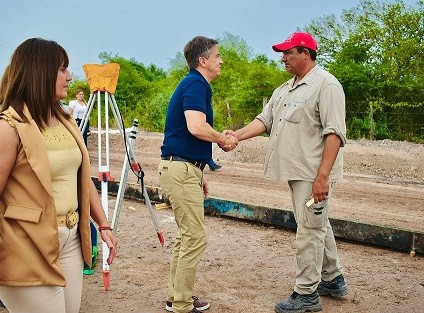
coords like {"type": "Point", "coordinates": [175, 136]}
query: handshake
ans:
{"type": "Point", "coordinates": [231, 140]}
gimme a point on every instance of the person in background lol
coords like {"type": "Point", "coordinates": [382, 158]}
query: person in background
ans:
{"type": "Point", "coordinates": [213, 166]}
{"type": "Point", "coordinates": [46, 193]}
{"type": "Point", "coordinates": [77, 108]}
{"type": "Point", "coordinates": [186, 149]}
{"type": "Point", "coordinates": [305, 121]}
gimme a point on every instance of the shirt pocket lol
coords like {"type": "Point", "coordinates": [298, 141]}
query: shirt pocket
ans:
{"type": "Point", "coordinates": [295, 110]}
{"type": "Point", "coordinates": [23, 213]}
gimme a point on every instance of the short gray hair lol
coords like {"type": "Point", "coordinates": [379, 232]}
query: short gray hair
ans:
{"type": "Point", "coordinates": [198, 47]}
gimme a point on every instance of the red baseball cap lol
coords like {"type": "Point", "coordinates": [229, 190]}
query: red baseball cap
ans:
{"type": "Point", "coordinates": [296, 39]}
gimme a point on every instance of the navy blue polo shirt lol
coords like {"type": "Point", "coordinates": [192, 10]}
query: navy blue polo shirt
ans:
{"type": "Point", "coordinates": [192, 93]}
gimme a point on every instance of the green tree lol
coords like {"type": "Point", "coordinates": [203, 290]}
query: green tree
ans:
{"type": "Point", "coordinates": [244, 84]}
{"type": "Point", "coordinates": [377, 52]}
{"type": "Point", "coordinates": [137, 85]}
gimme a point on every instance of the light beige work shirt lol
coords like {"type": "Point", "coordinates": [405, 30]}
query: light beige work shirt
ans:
{"type": "Point", "coordinates": [297, 118]}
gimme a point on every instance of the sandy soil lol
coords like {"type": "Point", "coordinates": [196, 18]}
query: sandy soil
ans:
{"type": "Point", "coordinates": [247, 267]}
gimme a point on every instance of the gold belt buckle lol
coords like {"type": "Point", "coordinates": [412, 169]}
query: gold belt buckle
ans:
{"type": "Point", "coordinates": [72, 219]}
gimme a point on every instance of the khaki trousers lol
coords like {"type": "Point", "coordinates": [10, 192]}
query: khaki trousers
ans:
{"type": "Point", "coordinates": [316, 251]}
{"type": "Point", "coordinates": [52, 299]}
{"type": "Point", "coordinates": [181, 182]}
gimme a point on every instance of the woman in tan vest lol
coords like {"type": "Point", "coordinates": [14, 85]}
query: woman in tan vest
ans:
{"type": "Point", "coordinates": [46, 193]}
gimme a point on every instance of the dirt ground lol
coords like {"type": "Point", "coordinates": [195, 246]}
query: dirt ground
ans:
{"type": "Point", "coordinates": [247, 267]}
{"type": "Point", "coordinates": [383, 180]}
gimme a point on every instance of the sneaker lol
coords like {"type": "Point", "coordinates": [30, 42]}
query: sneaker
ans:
{"type": "Point", "coordinates": [298, 303]}
{"type": "Point", "coordinates": [335, 288]}
{"type": "Point", "coordinates": [199, 305]}
{"type": "Point", "coordinates": [215, 167]}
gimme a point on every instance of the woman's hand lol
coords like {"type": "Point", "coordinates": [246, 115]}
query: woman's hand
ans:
{"type": "Point", "coordinates": [111, 241]}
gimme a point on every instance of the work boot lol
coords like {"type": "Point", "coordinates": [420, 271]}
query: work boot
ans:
{"type": "Point", "coordinates": [335, 288]}
{"type": "Point", "coordinates": [298, 303]}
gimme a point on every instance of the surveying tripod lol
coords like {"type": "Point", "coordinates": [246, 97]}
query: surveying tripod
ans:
{"type": "Point", "coordinates": [102, 80]}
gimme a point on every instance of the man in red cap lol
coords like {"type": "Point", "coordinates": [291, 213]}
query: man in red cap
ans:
{"type": "Point", "coordinates": [305, 121]}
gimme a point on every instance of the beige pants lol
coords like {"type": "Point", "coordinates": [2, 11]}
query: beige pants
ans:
{"type": "Point", "coordinates": [316, 251]}
{"type": "Point", "coordinates": [182, 184]}
{"type": "Point", "coordinates": [52, 299]}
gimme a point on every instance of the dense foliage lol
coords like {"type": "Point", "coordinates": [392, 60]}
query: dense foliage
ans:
{"type": "Point", "coordinates": [376, 50]}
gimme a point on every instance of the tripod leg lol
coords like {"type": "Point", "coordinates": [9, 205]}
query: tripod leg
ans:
{"type": "Point", "coordinates": [104, 178]}
{"type": "Point", "coordinates": [86, 117]}
{"type": "Point", "coordinates": [123, 180]}
{"type": "Point", "coordinates": [104, 169]}
{"type": "Point", "coordinates": [153, 216]}
{"type": "Point", "coordinates": [137, 168]}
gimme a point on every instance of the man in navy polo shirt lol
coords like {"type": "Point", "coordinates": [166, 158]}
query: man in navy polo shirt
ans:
{"type": "Point", "coordinates": [186, 149]}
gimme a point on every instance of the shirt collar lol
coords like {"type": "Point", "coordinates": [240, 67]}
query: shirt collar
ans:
{"type": "Point", "coordinates": [197, 73]}
{"type": "Point", "coordinates": [305, 80]}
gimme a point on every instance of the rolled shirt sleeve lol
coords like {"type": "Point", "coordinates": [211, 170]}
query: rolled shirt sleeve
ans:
{"type": "Point", "coordinates": [333, 111]}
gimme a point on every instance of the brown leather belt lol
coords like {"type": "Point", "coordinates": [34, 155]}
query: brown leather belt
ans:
{"type": "Point", "coordinates": [198, 164]}
{"type": "Point", "coordinates": [69, 220]}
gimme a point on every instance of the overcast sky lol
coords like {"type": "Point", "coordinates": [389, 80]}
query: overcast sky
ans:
{"type": "Point", "coordinates": [152, 32]}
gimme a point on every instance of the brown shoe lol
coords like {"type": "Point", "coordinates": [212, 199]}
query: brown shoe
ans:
{"type": "Point", "coordinates": [199, 305]}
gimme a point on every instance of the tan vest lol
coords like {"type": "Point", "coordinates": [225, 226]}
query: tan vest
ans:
{"type": "Point", "coordinates": [29, 241]}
